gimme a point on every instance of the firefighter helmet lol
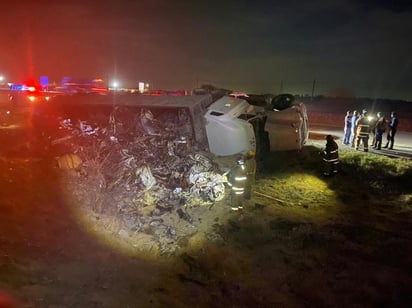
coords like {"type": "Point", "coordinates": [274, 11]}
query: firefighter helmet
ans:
{"type": "Point", "coordinates": [251, 153]}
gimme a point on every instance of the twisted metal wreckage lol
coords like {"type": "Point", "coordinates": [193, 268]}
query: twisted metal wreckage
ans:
{"type": "Point", "coordinates": [145, 165]}
{"type": "Point", "coordinates": [153, 155]}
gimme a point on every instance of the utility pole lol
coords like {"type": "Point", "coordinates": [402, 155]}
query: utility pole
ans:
{"type": "Point", "coordinates": [313, 88]}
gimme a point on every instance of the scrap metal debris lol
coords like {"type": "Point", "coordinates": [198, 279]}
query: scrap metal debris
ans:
{"type": "Point", "coordinates": [148, 167]}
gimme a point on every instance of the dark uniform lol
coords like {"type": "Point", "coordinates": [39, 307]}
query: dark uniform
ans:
{"type": "Point", "coordinates": [331, 156]}
{"type": "Point", "coordinates": [380, 127]}
{"type": "Point", "coordinates": [362, 131]}
{"type": "Point", "coordinates": [238, 181]}
{"type": "Point", "coordinates": [393, 126]}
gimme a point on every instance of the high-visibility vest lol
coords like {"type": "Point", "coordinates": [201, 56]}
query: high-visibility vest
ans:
{"type": "Point", "coordinates": [237, 180]}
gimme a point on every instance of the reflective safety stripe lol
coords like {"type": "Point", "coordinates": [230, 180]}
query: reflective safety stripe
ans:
{"type": "Point", "coordinates": [240, 178]}
{"type": "Point", "coordinates": [333, 151]}
{"type": "Point", "coordinates": [238, 188]}
{"type": "Point", "coordinates": [239, 192]}
{"type": "Point", "coordinates": [330, 160]}
{"type": "Point", "coordinates": [363, 128]}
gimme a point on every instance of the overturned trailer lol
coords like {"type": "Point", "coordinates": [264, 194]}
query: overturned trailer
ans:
{"type": "Point", "coordinates": [124, 114]}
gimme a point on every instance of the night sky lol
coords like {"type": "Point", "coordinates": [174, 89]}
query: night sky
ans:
{"type": "Point", "coordinates": [360, 48]}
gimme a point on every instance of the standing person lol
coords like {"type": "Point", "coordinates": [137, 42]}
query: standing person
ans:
{"type": "Point", "coordinates": [347, 129]}
{"type": "Point", "coordinates": [393, 126]}
{"type": "Point", "coordinates": [380, 128]}
{"type": "Point", "coordinates": [250, 173]}
{"type": "Point", "coordinates": [362, 131]}
{"type": "Point", "coordinates": [237, 181]}
{"type": "Point", "coordinates": [330, 156]}
{"type": "Point", "coordinates": [372, 128]}
{"type": "Point", "coordinates": [355, 117]}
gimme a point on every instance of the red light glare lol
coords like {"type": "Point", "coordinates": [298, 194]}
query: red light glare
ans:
{"type": "Point", "coordinates": [99, 90]}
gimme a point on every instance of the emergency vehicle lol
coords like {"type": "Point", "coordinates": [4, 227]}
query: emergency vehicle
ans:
{"type": "Point", "coordinates": [22, 94]}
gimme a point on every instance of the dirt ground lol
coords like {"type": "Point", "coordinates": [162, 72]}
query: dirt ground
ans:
{"type": "Point", "coordinates": [302, 241]}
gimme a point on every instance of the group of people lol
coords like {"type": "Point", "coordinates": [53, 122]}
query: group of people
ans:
{"type": "Point", "coordinates": [357, 129]}
{"type": "Point", "coordinates": [358, 126]}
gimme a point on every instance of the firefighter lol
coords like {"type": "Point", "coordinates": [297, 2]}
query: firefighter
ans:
{"type": "Point", "coordinates": [362, 131]}
{"type": "Point", "coordinates": [250, 165]}
{"type": "Point", "coordinates": [237, 182]}
{"type": "Point", "coordinates": [330, 156]}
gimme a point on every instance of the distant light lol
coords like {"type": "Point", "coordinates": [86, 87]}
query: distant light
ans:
{"type": "Point", "coordinates": [1, 78]}
{"type": "Point", "coordinates": [31, 98]}
{"type": "Point", "coordinates": [141, 87]}
{"type": "Point", "coordinates": [115, 84]}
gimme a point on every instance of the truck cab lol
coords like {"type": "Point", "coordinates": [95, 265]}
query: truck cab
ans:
{"type": "Point", "coordinates": [286, 122]}
{"type": "Point", "coordinates": [232, 126]}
